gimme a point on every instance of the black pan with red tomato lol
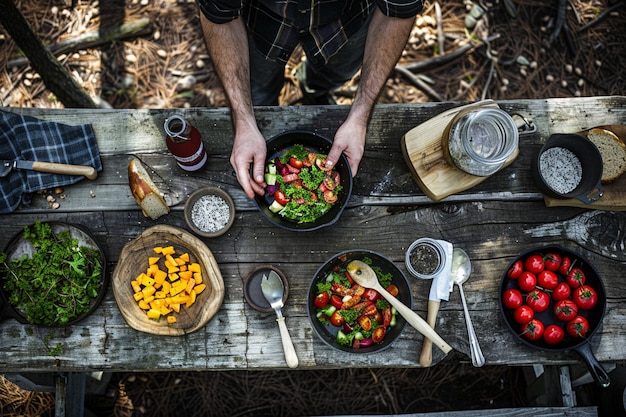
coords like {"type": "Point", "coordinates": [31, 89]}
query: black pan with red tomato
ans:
{"type": "Point", "coordinates": [590, 303]}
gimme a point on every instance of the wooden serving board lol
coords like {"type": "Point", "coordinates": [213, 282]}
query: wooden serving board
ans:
{"type": "Point", "coordinates": [134, 259]}
{"type": "Point", "coordinates": [424, 153]}
{"type": "Point", "coordinates": [614, 198]}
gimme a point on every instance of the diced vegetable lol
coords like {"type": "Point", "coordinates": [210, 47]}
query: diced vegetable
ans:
{"type": "Point", "coordinates": [168, 282]}
{"type": "Point", "coordinates": [275, 207]}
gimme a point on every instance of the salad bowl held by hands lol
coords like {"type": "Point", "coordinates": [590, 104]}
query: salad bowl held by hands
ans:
{"type": "Point", "coordinates": [301, 194]}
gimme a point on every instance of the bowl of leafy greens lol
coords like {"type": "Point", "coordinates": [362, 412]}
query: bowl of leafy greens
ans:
{"type": "Point", "coordinates": [301, 193]}
{"type": "Point", "coordinates": [52, 274]}
{"type": "Point", "coordinates": [350, 318]}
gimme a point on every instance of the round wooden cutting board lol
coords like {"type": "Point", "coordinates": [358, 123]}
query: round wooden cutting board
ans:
{"type": "Point", "coordinates": [133, 261]}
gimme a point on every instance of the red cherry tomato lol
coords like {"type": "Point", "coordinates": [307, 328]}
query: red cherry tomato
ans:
{"type": "Point", "coordinates": [527, 281]}
{"type": "Point", "coordinates": [534, 263]}
{"type": "Point", "coordinates": [280, 198]}
{"type": "Point", "coordinates": [336, 301]}
{"type": "Point", "coordinates": [552, 261]}
{"type": "Point", "coordinates": [565, 310]}
{"type": "Point", "coordinates": [523, 314]}
{"type": "Point", "coordinates": [547, 279]}
{"type": "Point", "coordinates": [371, 295]}
{"type": "Point", "coordinates": [561, 292]}
{"type": "Point", "coordinates": [533, 330]}
{"type": "Point", "coordinates": [515, 270]}
{"type": "Point", "coordinates": [585, 297]}
{"type": "Point", "coordinates": [366, 323]}
{"type": "Point", "coordinates": [337, 319]}
{"type": "Point", "coordinates": [321, 300]}
{"type": "Point", "coordinates": [393, 290]}
{"type": "Point", "coordinates": [566, 264]}
{"type": "Point", "coordinates": [577, 327]}
{"type": "Point", "coordinates": [553, 334]}
{"type": "Point", "coordinates": [378, 334]}
{"type": "Point", "coordinates": [295, 162]}
{"type": "Point", "coordinates": [387, 316]}
{"type": "Point", "coordinates": [576, 277]}
{"type": "Point", "coordinates": [512, 298]}
{"type": "Point", "coordinates": [538, 300]}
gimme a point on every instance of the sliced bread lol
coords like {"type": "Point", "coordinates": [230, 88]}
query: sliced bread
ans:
{"type": "Point", "coordinates": [613, 151]}
{"type": "Point", "coordinates": [145, 191]}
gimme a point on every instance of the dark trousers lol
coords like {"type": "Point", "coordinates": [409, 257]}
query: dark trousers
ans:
{"type": "Point", "coordinates": [267, 77]}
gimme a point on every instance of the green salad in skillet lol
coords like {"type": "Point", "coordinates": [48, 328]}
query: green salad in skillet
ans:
{"type": "Point", "coordinates": [55, 280]}
{"type": "Point", "coordinates": [299, 185]}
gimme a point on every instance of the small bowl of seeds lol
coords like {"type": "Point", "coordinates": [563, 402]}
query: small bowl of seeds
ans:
{"type": "Point", "coordinates": [209, 211]}
{"type": "Point", "coordinates": [569, 166]}
{"type": "Point", "coordinates": [425, 258]}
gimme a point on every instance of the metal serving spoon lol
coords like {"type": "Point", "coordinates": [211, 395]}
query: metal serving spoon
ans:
{"type": "Point", "coordinates": [461, 269]}
{"type": "Point", "coordinates": [365, 276]}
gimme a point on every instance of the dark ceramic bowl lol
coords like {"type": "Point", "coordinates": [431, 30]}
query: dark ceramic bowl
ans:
{"type": "Point", "coordinates": [327, 332]}
{"type": "Point", "coordinates": [209, 219]}
{"type": "Point", "coordinates": [589, 189]}
{"type": "Point", "coordinates": [276, 146]}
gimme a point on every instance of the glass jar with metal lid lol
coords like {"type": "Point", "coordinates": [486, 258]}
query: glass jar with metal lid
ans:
{"type": "Point", "coordinates": [480, 141]}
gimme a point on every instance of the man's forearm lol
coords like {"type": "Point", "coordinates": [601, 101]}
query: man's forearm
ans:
{"type": "Point", "coordinates": [386, 39]}
{"type": "Point", "coordinates": [227, 44]}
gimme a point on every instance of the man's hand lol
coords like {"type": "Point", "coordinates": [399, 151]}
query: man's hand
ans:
{"type": "Point", "coordinates": [249, 147]}
{"type": "Point", "coordinates": [349, 139]}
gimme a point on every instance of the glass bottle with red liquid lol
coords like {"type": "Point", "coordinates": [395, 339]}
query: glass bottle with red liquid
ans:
{"type": "Point", "coordinates": [184, 142]}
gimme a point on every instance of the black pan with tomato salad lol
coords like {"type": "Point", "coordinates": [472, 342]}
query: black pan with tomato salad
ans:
{"type": "Point", "coordinates": [554, 300]}
{"type": "Point", "coordinates": [294, 174]}
{"type": "Point", "coordinates": [370, 328]}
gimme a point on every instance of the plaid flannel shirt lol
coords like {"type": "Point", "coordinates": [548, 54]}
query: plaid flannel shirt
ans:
{"type": "Point", "coordinates": [321, 26]}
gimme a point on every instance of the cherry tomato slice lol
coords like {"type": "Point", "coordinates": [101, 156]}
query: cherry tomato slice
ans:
{"type": "Point", "coordinates": [378, 334]}
{"type": "Point", "coordinates": [337, 319]}
{"type": "Point", "coordinates": [321, 300]}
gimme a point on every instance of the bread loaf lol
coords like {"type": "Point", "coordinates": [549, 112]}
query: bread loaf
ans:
{"type": "Point", "coordinates": [613, 151]}
{"type": "Point", "coordinates": [146, 193]}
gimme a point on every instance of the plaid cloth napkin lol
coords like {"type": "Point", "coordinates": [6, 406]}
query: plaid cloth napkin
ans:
{"type": "Point", "coordinates": [32, 139]}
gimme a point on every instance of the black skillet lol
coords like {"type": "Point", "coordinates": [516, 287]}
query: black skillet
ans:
{"type": "Point", "coordinates": [19, 246]}
{"type": "Point", "coordinates": [594, 316]}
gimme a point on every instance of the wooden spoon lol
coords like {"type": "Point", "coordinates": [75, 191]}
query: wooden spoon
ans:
{"type": "Point", "coordinates": [365, 276]}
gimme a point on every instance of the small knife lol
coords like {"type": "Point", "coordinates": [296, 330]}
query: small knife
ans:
{"type": "Point", "coordinates": [6, 166]}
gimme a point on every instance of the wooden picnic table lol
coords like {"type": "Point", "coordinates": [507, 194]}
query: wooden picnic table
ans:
{"type": "Point", "coordinates": [493, 222]}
